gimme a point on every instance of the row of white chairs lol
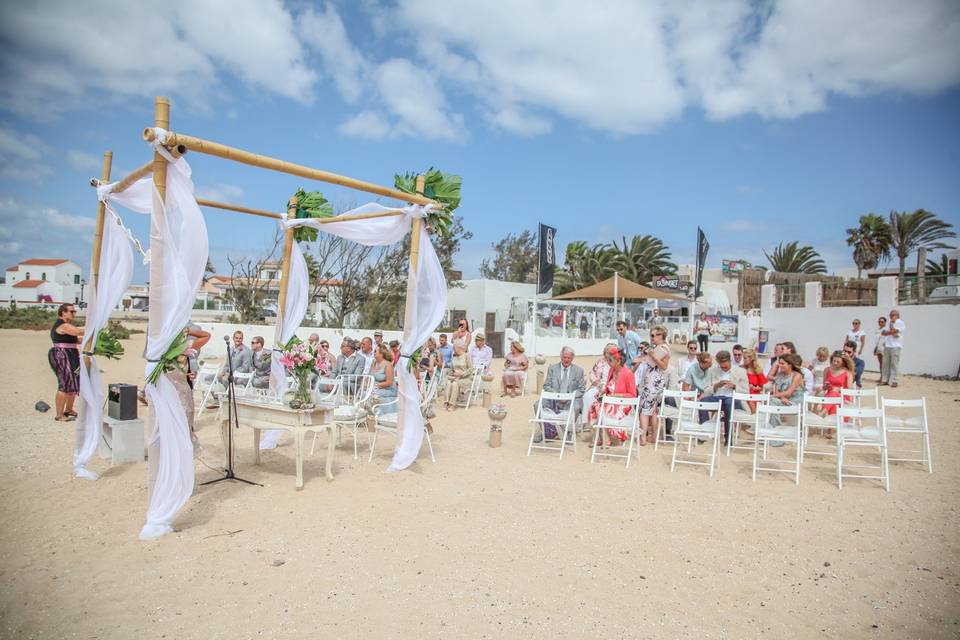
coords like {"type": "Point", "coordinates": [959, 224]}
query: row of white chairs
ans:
{"type": "Point", "coordinates": [853, 426]}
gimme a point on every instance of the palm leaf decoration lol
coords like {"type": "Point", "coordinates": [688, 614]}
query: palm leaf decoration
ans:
{"type": "Point", "coordinates": [108, 346]}
{"type": "Point", "coordinates": [170, 359]}
{"type": "Point", "coordinates": [439, 186]}
{"type": "Point", "coordinates": [310, 204]}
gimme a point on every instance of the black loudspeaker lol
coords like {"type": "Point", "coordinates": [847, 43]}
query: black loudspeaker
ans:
{"type": "Point", "coordinates": [122, 401]}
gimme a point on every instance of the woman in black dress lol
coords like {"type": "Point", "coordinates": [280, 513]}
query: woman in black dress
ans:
{"type": "Point", "coordinates": [64, 359]}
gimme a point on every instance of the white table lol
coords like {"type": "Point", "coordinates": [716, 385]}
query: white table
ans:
{"type": "Point", "coordinates": [261, 414]}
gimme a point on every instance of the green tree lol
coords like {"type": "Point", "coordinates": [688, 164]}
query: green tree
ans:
{"type": "Point", "coordinates": [910, 231]}
{"type": "Point", "coordinates": [791, 258]}
{"type": "Point", "coordinates": [871, 241]}
{"type": "Point", "coordinates": [208, 271]}
{"type": "Point", "coordinates": [643, 258]}
{"type": "Point", "coordinates": [516, 259]}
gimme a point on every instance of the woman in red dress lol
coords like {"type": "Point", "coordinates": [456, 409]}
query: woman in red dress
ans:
{"type": "Point", "coordinates": [621, 383]}
{"type": "Point", "coordinates": [755, 377]}
{"type": "Point", "coordinates": [838, 377]}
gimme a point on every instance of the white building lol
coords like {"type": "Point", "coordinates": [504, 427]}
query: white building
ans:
{"type": "Point", "coordinates": [486, 304]}
{"type": "Point", "coordinates": [43, 281]}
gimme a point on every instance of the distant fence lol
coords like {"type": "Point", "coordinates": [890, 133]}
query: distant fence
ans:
{"type": "Point", "coordinates": [835, 290]}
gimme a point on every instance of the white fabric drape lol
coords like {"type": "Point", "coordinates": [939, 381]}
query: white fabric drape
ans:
{"type": "Point", "coordinates": [426, 285]}
{"type": "Point", "coordinates": [178, 244]}
{"type": "Point", "coordinates": [115, 273]}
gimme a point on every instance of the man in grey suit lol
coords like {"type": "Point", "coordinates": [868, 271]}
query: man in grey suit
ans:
{"type": "Point", "coordinates": [563, 377]}
{"type": "Point", "coordinates": [261, 364]}
{"type": "Point", "coordinates": [349, 362]}
{"type": "Point", "coordinates": [241, 357]}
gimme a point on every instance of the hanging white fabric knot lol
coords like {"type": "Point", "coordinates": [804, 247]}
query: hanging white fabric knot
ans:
{"type": "Point", "coordinates": [104, 190]}
{"type": "Point", "coordinates": [417, 210]}
{"type": "Point", "coordinates": [159, 139]}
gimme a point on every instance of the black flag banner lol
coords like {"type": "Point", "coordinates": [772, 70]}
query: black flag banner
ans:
{"type": "Point", "coordinates": [702, 247]}
{"type": "Point", "coordinates": [548, 258]}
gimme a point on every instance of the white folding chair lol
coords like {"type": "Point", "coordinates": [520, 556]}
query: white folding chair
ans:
{"type": "Point", "coordinates": [241, 387]}
{"type": "Point", "coordinates": [688, 426]}
{"type": "Point", "coordinates": [548, 415]}
{"type": "Point", "coordinates": [855, 397]}
{"type": "Point", "coordinates": [669, 412]}
{"type": "Point", "coordinates": [326, 393]}
{"type": "Point", "coordinates": [355, 390]}
{"type": "Point", "coordinates": [523, 382]}
{"type": "Point", "coordinates": [811, 419]}
{"type": "Point", "coordinates": [743, 416]}
{"type": "Point", "coordinates": [207, 380]}
{"type": "Point", "coordinates": [475, 384]}
{"type": "Point", "coordinates": [862, 428]}
{"type": "Point", "coordinates": [628, 423]}
{"type": "Point", "coordinates": [765, 432]}
{"type": "Point", "coordinates": [386, 416]}
{"type": "Point", "coordinates": [895, 422]}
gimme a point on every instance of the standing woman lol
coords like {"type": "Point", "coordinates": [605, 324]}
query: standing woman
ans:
{"type": "Point", "coordinates": [462, 335]}
{"type": "Point", "coordinates": [880, 342]}
{"type": "Point", "coordinates": [64, 359]}
{"type": "Point", "coordinates": [702, 329]}
{"type": "Point", "coordinates": [651, 381]}
{"type": "Point", "coordinates": [620, 384]}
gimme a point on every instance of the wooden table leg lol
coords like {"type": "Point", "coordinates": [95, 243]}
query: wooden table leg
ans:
{"type": "Point", "coordinates": [298, 437]}
{"type": "Point", "coordinates": [331, 447]}
{"type": "Point", "coordinates": [256, 446]}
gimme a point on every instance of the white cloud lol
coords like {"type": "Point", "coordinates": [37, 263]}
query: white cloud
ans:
{"type": "Point", "coordinates": [417, 102]}
{"type": "Point", "coordinates": [366, 124]}
{"type": "Point", "coordinates": [61, 55]}
{"type": "Point", "coordinates": [81, 160]}
{"type": "Point", "coordinates": [325, 33]}
{"type": "Point", "coordinates": [513, 119]}
{"type": "Point", "coordinates": [44, 231]}
{"type": "Point", "coordinates": [20, 155]}
{"type": "Point", "coordinates": [741, 225]}
{"type": "Point", "coordinates": [221, 192]}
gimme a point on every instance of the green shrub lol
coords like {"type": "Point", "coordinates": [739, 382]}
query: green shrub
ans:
{"type": "Point", "coordinates": [32, 318]}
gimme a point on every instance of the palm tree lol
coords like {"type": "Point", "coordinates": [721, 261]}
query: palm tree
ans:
{"type": "Point", "coordinates": [937, 271]}
{"type": "Point", "coordinates": [791, 258]}
{"type": "Point", "coordinates": [871, 241]}
{"type": "Point", "coordinates": [910, 231]}
{"type": "Point", "coordinates": [596, 263]}
{"type": "Point", "coordinates": [208, 271]}
{"type": "Point", "coordinates": [573, 260]}
{"type": "Point", "coordinates": [643, 258]}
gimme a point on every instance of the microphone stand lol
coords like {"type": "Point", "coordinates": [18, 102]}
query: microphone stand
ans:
{"type": "Point", "coordinates": [233, 422]}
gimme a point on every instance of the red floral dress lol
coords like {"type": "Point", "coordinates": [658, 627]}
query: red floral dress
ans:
{"type": "Point", "coordinates": [624, 385]}
{"type": "Point", "coordinates": [835, 384]}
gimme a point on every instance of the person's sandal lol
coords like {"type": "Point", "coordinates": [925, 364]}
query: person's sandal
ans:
{"type": "Point", "coordinates": [65, 418]}
{"type": "Point", "coordinates": [70, 413]}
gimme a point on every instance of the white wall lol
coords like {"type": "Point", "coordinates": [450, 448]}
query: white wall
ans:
{"type": "Point", "coordinates": [928, 346]}
{"type": "Point", "coordinates": [480, 296]}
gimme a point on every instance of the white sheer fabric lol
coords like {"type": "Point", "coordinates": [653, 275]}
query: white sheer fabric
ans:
{"type": "Point", "coordinates": [426, 285]}
{"type": "Point", "coordinates": [178, 243]}
{"type": "Point", "coordinates": [115, 273]}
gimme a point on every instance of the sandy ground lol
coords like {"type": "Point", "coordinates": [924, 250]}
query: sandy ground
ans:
{"type": "Point", "coordinates": [486, 543]}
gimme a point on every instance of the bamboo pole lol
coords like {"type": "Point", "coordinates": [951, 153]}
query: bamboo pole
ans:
{"type": "Point", "coordinates": [412, 275]}
{"type": "Point", "coordinates": [285, 267]}
{"type": "Point", "coordinates": [162, 120]}
{"type": "Point", "coordinates": [237, 208]}
{"type": "Point", "coordinates": [140, 172]}
{"type": "Point", "coordinates": [246, 157]}
{"type": "Point", "coordinates": [98, 241]}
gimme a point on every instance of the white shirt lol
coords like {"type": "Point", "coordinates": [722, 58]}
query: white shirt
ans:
{"type": "Point", "coordinates": [368, 362]}
{"type": "Point", "coordinates": [854, 336]}
{"type": "Point", "coordinates": [896, 342]}
{"type": "Point", "coordinates": [807, 379]}
{"type": "Point", "coordinates": [723, 391]}
{"type": "Point", "coordinates": [881, 340]}
{"type": "Point", "coordinates": [683, 364]}
{"type": "Point", "coordinates": [482, 356]}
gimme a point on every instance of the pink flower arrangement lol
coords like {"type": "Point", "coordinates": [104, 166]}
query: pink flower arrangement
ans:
{"type": "Point", "coordinates": [300, 359]}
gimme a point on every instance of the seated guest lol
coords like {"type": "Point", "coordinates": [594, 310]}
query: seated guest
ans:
{"type": "Point", "coordinates": [260, 364]}
{"type": "Point", "coordinates": [628, 344]}
{"type": "Point", "coordinates": [377, 339]}
{"type": "Point", "coordinates": [429, 358]}
{"type": "Point", "coordinates": [722, 380]}
{"type": "Point", "coordinates": [696, 378]}
{"type": "Point", "coordinates": [313, 341]}
{"type": "Point", "coordinates": [756, 379]}
{"type": "Point", "coordinates": [384, 380]}
{"type": "Point", "coordinates": [787, 387]}
{"type": "Point", "coordinates": [514, 364]}
{"type": "Point", "coordinates": [839, 376]}
{"type": "Point", "coordinates": [771, 369]}
{"type": "Point", "coordinates": [806, 373]}
{"type": "Point", "coordinates": [850, 350]}
{"type": "Point", "coordinates": [688, 360]}
{"type": "Point", "coordinates": [620, 383]}
{"type": "Point", "coordinates": [737, 353]}
{"type": "Point", "coordinates": [460, 377]}
{"type": "Point", "coordinates": [445, 351]}
{"type": "Point", "coordinates": [324, 352]}
{"type": "Point", "coordinates": [563, 377]}
{"type": "Point", "coordinates": [395, 348]}
{"type": "Point", "coordinates": [366, 350]}
{"type": "Point", "coordinates": [596, 378]}
{"type": "Point", "coordinates": [349, 362]}
{"type": "Point", "coordinates": [819, 364]}
{"type": "Point", "coordinates": [240, 356]}
{"type": "Point", "coordinates": [481, 353]}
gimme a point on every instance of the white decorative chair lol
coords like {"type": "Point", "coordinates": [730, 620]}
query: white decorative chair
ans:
{"type": "Point", "coordinates": [740, 417]}
{"type": "Point", "coordinates": [546, 415]}
{"type": "Point", "coordinates": [895, 422]}
{"type": "Point", "coordinates": [523, 382]}
{"type": "Point", "coordinates": [689, 426]}
{"type": "Point", "coordinates": [862, 428]}
{"type": "Point", "coordinates": [764, 433]}
{"type": "Point", "coordinates": [669, 412]}
{"type": "Point", "coordinates": [855, 397]}
{"type": "Point", "coordinates": [355, 390]}
{"type": "Point", "coordinates": [386, 416]}
{"type": "Point", "coordinates": [628, 423]}
{"type": "Point", "coordinates": [811, 419]}
{"type": "Point", "coordinates": [241, 387]}
{"type": "Point", "coordinates": [207, 380]}
{"type": "Point", "coordinates": [475, 384]}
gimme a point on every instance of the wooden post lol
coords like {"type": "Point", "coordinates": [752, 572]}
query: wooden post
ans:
{"type": "Point", "coordinates": [98, 242]}
{"type": "Point", "coordinates": [285, 266]}
{"type": "Point", "coordinates": [922, 275]}
{"type": "Point", "coordinates": [162, 120]}
{"type": "Point", "coordinates": [414, 261]}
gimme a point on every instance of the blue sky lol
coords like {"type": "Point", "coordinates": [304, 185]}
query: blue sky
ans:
{"type": "Point", "coordinates": [760, 122]}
